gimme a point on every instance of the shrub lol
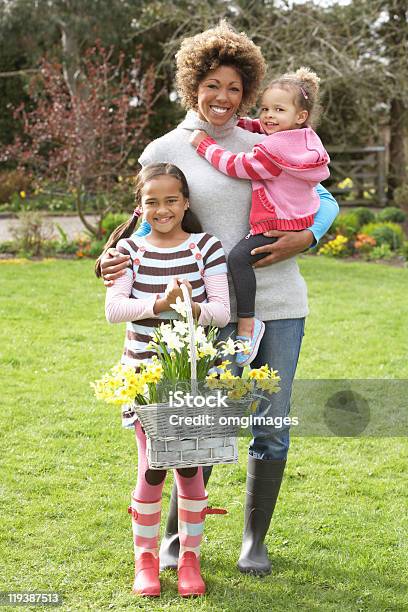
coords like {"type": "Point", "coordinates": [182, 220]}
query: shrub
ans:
{"type": "Point", "coordinates": [346, 224]}
{"type": "Point", "coordinates": [8, 246]}
{"type": "Point", "coordinates": [69, 247]}
{"type": "Point", "coordinates": [13, 182]}
{"type": "Point", "coordinates": [96, 248]}
{"type": "Point", "coordinates": [385, 233]}
{"type": "Point", "coordinates": [382, 251]}
{"type": "Point", "coordinates": [364, 244]}
{"type": "Point", "coordinates": [33, 233]}
{"type": "Point", "coordinates": [335, 248]}
{"type": "Point", "coordinates": [83, 246]}
{"type": "Point", "coordinates": [364, 215]}
{"type": "Point", "coordinates": [393, 214]}
{"type": "Point", "coordinates": [65, 246]}
{"type": "Point", "coordinates": [111, 222]}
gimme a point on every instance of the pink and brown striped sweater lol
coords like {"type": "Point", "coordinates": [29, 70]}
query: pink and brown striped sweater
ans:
{"type": "Point", "coordinates": [284, 169]}
{"type": "Point", "coordinates": [200, 259]}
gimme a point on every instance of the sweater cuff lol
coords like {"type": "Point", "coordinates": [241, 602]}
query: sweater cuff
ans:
{"type": "Point", "coordinates": [150, 305]}
{"type": "Point", "coordinates": [204, 144]}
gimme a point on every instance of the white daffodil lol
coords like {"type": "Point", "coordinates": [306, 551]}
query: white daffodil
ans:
{"type": "Point", "coordinates": [200, 336]}
{"type": "Point", "coordinates": [181, 328]}
{"type": "Point", "coordinates": [180, 307]}
{"type": "Point", "coordinates": [207, 350]}
{"type": "Point", "coordinates": [228, 347]}
{"type": "Point", "coordinates": [244, 347]}
{"type": "Point", "coordinates": [173, 341]}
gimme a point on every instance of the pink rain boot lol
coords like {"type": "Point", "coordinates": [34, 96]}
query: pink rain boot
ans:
{"type": "Point", "coordinates": [191, 514]}
{"type": "Point", "coordinates": [145, 526]}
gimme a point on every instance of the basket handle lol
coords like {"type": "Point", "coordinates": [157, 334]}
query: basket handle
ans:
{"type": "Point", "coordinates": [190, 321]}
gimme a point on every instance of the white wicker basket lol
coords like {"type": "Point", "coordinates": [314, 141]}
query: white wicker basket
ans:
{"type": "Point", "coordinates": [178, 446]}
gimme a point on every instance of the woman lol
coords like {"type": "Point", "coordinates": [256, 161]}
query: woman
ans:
{"type": "Point", "coordinates": [218, 75]}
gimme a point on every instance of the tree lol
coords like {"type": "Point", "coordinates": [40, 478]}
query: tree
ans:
{"type": "Point", "coordinates": [83, 135]}
{"type": "Point", "coordinates": [394, 36]}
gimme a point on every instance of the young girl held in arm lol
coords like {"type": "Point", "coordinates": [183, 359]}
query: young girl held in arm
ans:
{"type": "Point", "coordinates": [284, 169]}
{"type": "Point", "coordinates": [176, 251]}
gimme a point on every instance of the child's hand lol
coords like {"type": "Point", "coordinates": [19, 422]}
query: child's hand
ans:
{"type": "Point", "coordinates": [173, 290]}
{"type": "Point", "coordinates": [197, 137]}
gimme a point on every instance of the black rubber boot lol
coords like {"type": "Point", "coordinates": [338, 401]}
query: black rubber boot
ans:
{"type": "Point", "coordinates": [170, 545]}
{"type": "Point", "coordinates": [264, 479]}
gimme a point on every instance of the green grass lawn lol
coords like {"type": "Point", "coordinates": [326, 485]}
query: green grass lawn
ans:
{"type": "Point", "coordinates": [338, 539]}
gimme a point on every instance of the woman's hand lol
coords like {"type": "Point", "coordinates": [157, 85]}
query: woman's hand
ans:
{"type": "Point", "coordinates": [113, 265]}
{"type": "Point", "coordinates": [197, 137]}
{"type": "Point", "coordinates": [288, 245]}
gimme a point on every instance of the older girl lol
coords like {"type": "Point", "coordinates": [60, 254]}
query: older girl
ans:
{"type": "Point", "coordinates": [175, 251]}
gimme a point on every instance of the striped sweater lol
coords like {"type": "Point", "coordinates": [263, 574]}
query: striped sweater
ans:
{"type": "Point", "coordinates": [284, 169]}
{"type": "Point", "coordinates": [198, 259]}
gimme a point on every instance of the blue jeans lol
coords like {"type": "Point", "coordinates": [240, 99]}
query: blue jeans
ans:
{"type": "Point", "coordinates": [279, 348]}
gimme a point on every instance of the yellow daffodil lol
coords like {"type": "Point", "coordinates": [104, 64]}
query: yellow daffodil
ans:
{"type": "Point", "coordinates": [224, 365]}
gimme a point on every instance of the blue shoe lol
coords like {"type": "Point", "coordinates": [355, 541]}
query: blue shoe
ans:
{"type": "Point", "coordinates": [243, 359]}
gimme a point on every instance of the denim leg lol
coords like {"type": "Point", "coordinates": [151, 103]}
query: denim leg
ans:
{"type": "Point", "coordinates": [279, 348]}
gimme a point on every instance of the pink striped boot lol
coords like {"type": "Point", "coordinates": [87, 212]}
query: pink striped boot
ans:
{"type": "Point", "coordinates": [145, 526]}
{"type": "Point", "coordinates": [191, 515]}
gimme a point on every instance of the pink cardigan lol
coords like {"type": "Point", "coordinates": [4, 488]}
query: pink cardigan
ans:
{"type": "Point", "coordinates": [284, 169]}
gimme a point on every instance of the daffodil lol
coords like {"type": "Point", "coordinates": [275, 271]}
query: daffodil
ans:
{"type": "Point", "coordinates": [212, 381]}
{"type": "Point", "coordinates": [173, 341]}
{"type": "Point", "coordinates": [257, 374]}
{"type": "Point", "coordinates": [179, 307]}
{"type": "Point", "coordinates": [243, 347]}
{"type": "Point", "coordinates": [153, 373]}
{"type": "Point", "coordinates": [181, 328]}
{"type": "Point", "coordinates": [223, 365]}
{"type": "Point", "coordinates": [228, 347]}
{"type": "Point", "coordinates": [207, 350]}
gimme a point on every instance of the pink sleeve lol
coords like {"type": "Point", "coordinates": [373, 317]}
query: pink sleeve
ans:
{"type": "Point", "coordinates": [250, 125]}
{"type": "Point", "coordinates": [119, 307]}
{"type": "Point", "coordinates": [217, 310]}
{"type": "Point", "coordinates": [256, 165]}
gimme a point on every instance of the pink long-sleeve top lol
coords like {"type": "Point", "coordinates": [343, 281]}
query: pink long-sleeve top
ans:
{"type": "Point", "coordinates": [120, 308]}
{"type": "Point", "coordinates": [284, 169]}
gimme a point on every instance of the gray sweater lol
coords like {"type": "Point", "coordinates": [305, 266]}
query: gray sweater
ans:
{"type": "Point", "coordinates": [222, 204]}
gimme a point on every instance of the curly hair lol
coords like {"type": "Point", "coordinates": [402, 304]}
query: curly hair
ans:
{"type": "Point", "coordinates": [215, 47]}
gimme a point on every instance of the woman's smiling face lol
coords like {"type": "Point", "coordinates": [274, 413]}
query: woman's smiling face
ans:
{"type": "Point", "coordinates": [219, 95]}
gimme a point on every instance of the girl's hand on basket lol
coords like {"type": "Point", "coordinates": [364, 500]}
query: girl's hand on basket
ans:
{"type": "Point", "coordinates": [173, 291]}
{"type": "Point", "coordinates": [195, 306]}
{"type": "Point", "coordinates": [189, 287]}
{"type": "Point", "coordinates": [113, 265]}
